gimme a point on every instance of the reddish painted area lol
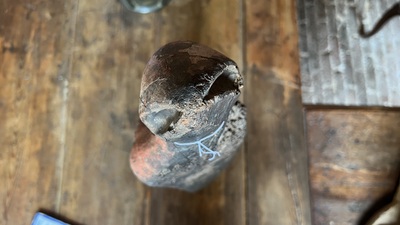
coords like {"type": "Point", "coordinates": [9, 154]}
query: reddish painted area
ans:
{"type": "Point", "coordinates": [149, 154]}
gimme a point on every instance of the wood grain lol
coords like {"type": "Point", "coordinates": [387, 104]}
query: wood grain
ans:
{"type": "Point", "coordinates": [70, 76]}
{"type": "Point", "coordinates": [339, 67]}
{"type": "Point", "coordinates": [277, 177]}
{"type": "Point", "coordinates": [354, 163]}
{"type": "Point", "coordinates": [34, 60]}
{"type": "Point", "coordinates": [112, 46]}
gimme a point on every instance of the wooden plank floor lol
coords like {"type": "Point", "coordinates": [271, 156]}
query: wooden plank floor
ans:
{"type": "Point", "coordinates": [339, 67]}
{"type": "Point", "coordinates": [70, 74]}
{"type": "Point", "coordinates": [348, 86]}
{"type": "Point", "coordinates": [354, 163]}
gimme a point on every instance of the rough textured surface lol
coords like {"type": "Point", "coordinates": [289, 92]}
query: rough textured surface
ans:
{"type": "Point", "coordinates": [163, 164]}
{"type": "Point", "coordinates": [354, 163]}
{"type": "Point", "coordinates": [338, 67]}
{"type": "Point", "coordinates": [223, 201]}
{"type": "Point", "coordinates": [187, 91]}
{"type": "Point", "coordinates": [187, 94]}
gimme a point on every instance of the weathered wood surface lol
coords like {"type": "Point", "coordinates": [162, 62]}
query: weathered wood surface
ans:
{"type": "Point", "coordinates": [338, 67]}
{"type": "Point", "coordinates": [276, 158]}
{"type": "Point", "coordinates": [111, 48]}
{"type": "Point", "coordinates": [354, 163]}
{"type": "Point", "coordinates": [70, 78]}
{"type": "Point", "coordinates": [35, 57]}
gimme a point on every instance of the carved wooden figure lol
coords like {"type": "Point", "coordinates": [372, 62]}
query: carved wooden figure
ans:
{"type": "Point", "coordinates": [191, 121]}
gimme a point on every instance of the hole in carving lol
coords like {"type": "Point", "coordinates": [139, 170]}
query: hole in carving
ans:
{"type": "Point", "coordinates": [225, 82]}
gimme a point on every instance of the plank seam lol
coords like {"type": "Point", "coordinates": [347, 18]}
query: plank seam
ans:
{"type": "Point", "coordinates": [64, 111]}
{"type": "Point", "coordinates": [243, 42]}
{"type": "Point", "coordinates": [292, 184]}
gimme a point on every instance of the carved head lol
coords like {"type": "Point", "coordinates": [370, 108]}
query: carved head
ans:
{"type": "Point", "coordinates": [187, 91]}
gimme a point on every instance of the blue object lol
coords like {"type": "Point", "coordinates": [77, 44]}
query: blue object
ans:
{"type": "Point", "coordinates": [43, 219]}
{"type": "Point", "coordinates": [144, 6]}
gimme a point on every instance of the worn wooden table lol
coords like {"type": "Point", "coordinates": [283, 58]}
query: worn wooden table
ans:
{"type": "Point", "coordinates": [69, 82]}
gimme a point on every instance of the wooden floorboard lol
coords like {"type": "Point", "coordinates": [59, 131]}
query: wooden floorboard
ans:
{"type": "Point", "coordinates": [354, 163]}
{"type": "Point", "coordinates": [70, 76]}
{"type": "Point", "coordinates": [111, 48]}
{"type": "Point", "coordinates": [35, 40]}
{"type": "Point", "coordinates": [338, 67]}
{"type": "Point", "coordinates": [276, 157]}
